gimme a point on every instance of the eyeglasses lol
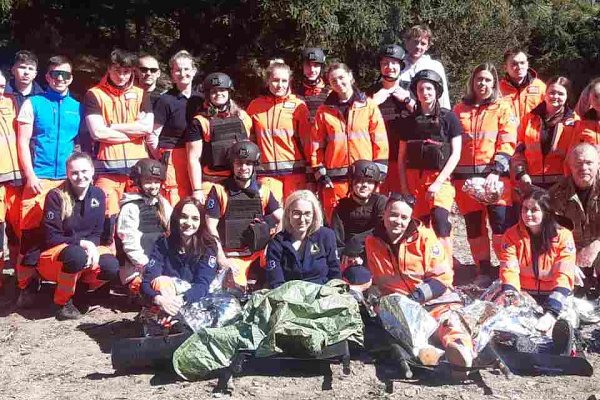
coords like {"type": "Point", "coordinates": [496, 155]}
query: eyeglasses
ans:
{"type": "Point", "coordinates": [145, 70]}
{"type": "Point", "coordinates": [297, 214]}
{"type": "Point", "coordinates": [66, 75]}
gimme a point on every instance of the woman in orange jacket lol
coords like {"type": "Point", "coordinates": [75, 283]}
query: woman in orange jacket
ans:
{"type": "Point", "coordinates": [588, 128]}
{"type": "Point", "coordinates": [538, 256]}
{"type": "Point", "coordinates": [406, 257]}
{"type": "Point", "coordinates": [489, 140]}
{"type": "Point", "coordinates": [429, 151]}
{"type": "Point", "coordinates": [348, 127]}
{"type": "Point", "coordinates": [544, 137]}
{"type": "Point", "coordinates": [281, 124]}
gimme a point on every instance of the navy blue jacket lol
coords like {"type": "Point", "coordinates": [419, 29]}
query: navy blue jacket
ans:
{"type": "Point", "coordinates": [320, 264]}
{"type": "Point", "coordinates": [11, 88]}
{"type": "Point", "coordinates": [167, 261]}
{"type": "Point", "coordinates": [86, 222]}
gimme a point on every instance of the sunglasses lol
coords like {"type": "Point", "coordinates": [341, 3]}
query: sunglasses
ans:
{"type": "Point", "coordinates": [66, 75]}
{"type": "Point", "coordinates": [145, 70]}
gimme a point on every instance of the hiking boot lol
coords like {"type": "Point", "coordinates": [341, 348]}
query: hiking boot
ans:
{"type": "Point", "coordinates": [562, 337]}
{"type": "Point", "coordinates": [28, 296]}
{"type": "Point", "coordinates": [430, 355]}
{"type": "Point", "coordinates": [482, 281]}
{"type": "Point", "coordinates": [459, 355]}
{"type": "Point", "coordinates": [68, 311]}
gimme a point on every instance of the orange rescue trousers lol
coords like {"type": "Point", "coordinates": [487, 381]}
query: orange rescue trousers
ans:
{"type": "Point", "coordinates": [177, 183]}
{"type": "Point", "coordinates": [10, 216]}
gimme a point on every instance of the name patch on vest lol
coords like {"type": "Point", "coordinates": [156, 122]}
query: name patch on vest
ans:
{"type": "Point", "coordinates": [533, 90]}
{"type": "Point", "coordinates": [289, 105]}
{"type": "Point", "coordinates": [131, 96]}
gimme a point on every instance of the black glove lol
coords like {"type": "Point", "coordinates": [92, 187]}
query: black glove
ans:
{"type": "Point", "coordinates": [256, 236]}
{"type": "Point", "coordinates": [325, 181]}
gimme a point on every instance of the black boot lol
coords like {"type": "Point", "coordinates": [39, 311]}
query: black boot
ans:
{"type": "Point", "coordinates": [68, 311]}
{"type": "Point", "coordinates": [27, 296]}
{"type": "Point", "coordinates": [562, 337]}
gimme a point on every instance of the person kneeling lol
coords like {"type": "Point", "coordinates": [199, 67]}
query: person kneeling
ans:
{"type": "Point", "coordinates": [305, 249]}
{"type": "Point", "coordinates": [242, 213]}
{"type": "Point", "coordinates": [143, 219]}
{"type": "Point", "coordinates": [354, 218]}
{"type": "Point", "coordinates": [73, 223]}
{"type": "Point", "coordinates": [406, 257]}
{"type": "Point", "coordinates": [183, 264]}
{"type": "Point", "coordinates": [538, 256]}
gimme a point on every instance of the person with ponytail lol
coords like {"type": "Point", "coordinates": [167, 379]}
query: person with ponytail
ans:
{"type": "Point", "coordinates": [73, 223]}
{"type": "Point", "coordinates": [281, 124]}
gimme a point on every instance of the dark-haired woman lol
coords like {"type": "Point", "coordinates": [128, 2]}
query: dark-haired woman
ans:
{"type": "Point", "coordinates": [183, 264]}
{"type": "Point", "coordinates": [73, 222]}
{"type": "Point", "coordinates": [544, 137]}
{"type": "Point", "coordinates": [428, 153]}
{"type": "Point", "coordinates": [489, 140]}
{"type": "Point", "coordinates": [538, 256]}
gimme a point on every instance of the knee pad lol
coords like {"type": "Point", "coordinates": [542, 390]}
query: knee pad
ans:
{"type": "Point", "coordinates": [357, 275]}
{"type": "Point", "coordinates": [473, 223]}
{"type": "Point", "coordinates": [109, 268]}
{"type": "Point", "coordinates": [500, 218]}
{"type": "Point", "coordinates": [441, 222]}
{"type": "Point", "coordinates": [73, 258]}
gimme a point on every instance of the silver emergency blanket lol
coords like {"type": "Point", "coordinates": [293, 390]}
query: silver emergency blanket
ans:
{"type": "Point", "coordinates": [474, 187]}
{"type": "Point", "coordinates": [407, 321]}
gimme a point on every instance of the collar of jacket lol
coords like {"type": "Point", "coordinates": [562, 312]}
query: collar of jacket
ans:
{"type": "Point", "coordinates": [484, 103]}
{"type": "Point", "coordinates": [233, 188]}
{"type": "Point", "coordinates": [333, 99]}
{"type": "Point", "coordinates": [206, 106]}
{"type": "Point", "coordinates": [572, 189]}
{"type": "Point", "coordinates": [54, 95]}
{"type": "Point", "coordinates": [592, 115]}
{"type": "Point", "coordinates": [11, 88]}
{"type": "Point", "coordinates": [110, 88]}
{"type": "Point", "coordinates": [410, 234]}
{"type": "Point", "coordinates": [531, 75]}
{"type": "Point", "coordinates": [312, 84]}
{"type": "Point", "coordinates": [540, 111]}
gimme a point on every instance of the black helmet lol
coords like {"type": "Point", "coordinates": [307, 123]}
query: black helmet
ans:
{"type": "Point", "coordinates": [365, 169]}
{"type": "Point", "coordinates": [392, 51]}
{"type": "Point", "coordinates": [314, 54]}
{"type": "Point", "coordinates": [428, 75]}
{"type": "Point", "coordinates": [217, 80]}
{"type": "Point", "coordinates": [147, 168]}
{"type": "Point", "coordinates": [244, 150]}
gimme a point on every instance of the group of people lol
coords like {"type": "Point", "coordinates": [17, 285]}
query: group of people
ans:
{"type": "Point", "coordinates": [315, 180]}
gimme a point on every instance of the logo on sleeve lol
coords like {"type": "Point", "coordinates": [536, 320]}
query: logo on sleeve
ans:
{"type": "Point", "coordinates": [272, 265]}
{"type": "Point", "coordinates": [436, 251]}
{"type": "Point", "coordinates": [50, 215]}
{"type": "Point", "coordinates": [570, 247]}
{"type": "Point", "coordinates": [95, 203]}
{"type": "Point", "coordinates": [212, 261]}
{"type": "Point", "coordinates": [210, 204]}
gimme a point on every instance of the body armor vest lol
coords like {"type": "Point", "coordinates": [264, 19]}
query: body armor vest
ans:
{"type": "Point", "coordinates": [224, 132]}
{"type": "Point", "coordinates": [241, 211]}
{"type": "Point", "coordinates": [150, 227]}
{"type": "Point", "coordinates": [429, 150]}
{"type": "Point", "coordinates": [313, 102]}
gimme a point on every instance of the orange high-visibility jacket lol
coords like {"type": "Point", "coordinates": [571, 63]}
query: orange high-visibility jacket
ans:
{"type": "Point", "coordinates": [282, 130]}
{"type": "Point", "coordinates": [119, 106]}
{"type": "Point", "coordinates": [10, 170]}
{"type": "Point", "coordinates": [420, 263]}
{"type": "Point", "coordinates": [206, 136]}
{"type": "Point", "coordinates": [489, 138]}
{"type": "Point", "coordinates": [555, 268]}
{"type": "Point", "coordinates": [337, 143]}
{"type": "Point", "coordinates": [587, 130]}
{"type": "Point", "coordinates": [543, 169]}
{"type": "Point", "coordinates": [526, 98]}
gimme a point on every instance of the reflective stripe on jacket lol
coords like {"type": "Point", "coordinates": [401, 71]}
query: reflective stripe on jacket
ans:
{"type": "Point", "coordinates": [489, 138]}
{"type": "Point", "coordinates": [119, 106]}
{"type": "Point", "coordinates": [9, 163]}
{"type": "Point", "coordinates": [282, 130]}
{"type": "Point", "coordinates": [337, 143]}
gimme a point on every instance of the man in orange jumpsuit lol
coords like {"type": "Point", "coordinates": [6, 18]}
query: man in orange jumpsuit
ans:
{"type": "Point", "coordinates": [406, 257]}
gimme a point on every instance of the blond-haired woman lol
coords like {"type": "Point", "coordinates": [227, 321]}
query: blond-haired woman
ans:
{"type": "Point", "coordinates": [305, 249]}
{"type": "Point", "coordinates": [73, 223]}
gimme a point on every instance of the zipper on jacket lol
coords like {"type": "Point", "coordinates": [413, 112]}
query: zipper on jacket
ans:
{"type": "Point", "coordinates": [271, 129]}
{"type": "Point", "coordinates": [57, 138]}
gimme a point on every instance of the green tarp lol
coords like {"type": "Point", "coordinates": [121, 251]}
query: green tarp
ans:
{"type": "Point", "coordinates": [299, 318]}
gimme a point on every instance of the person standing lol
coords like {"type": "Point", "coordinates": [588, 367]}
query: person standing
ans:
{"type": "Point", "coordinates": [147, 73]}
{"type": "Point", "coordinates": [119, 117]}
{"type": "Point", "coordinates": [312, 88]}
{"type": "Point", "coordinates": [23, 84]}
{"type": "Point", "coordinates": [48, 127]}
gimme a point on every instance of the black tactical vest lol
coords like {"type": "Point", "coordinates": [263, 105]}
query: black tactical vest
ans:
{"type": "Point", "coordinates": [428, 148]}
{"type": "Point", "coordinates": [150, 227]}
{"type": "Point", "coordinates": [241, 211]}
{"type": "Point", "coordinates": [224, 132]}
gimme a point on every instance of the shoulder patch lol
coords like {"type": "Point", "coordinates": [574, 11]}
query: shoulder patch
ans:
{"type": "Point", "coordinates": [272, 265]}
{"type": "Point", "coordinates": [94, 203]}
{"type": "Point", "coordinates": [570, 247]}
{"type": "Point", "coordinates": [436, 250]}
{"type": "Point", "coordinates": [50, 215]}
{"type": "Point", "coordinates": [210, 204]}
{"type": "Point", "coordinates": [533, 90]}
